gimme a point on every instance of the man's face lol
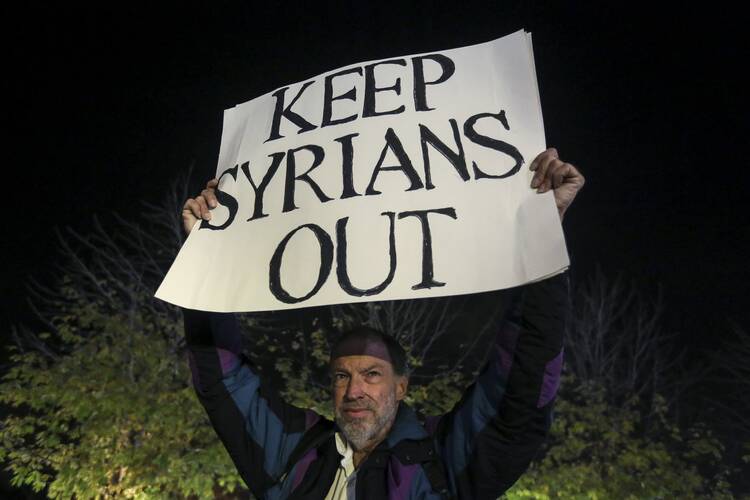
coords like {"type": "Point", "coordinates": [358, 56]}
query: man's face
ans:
{"type": "Point", "coordinates": [366, 393]}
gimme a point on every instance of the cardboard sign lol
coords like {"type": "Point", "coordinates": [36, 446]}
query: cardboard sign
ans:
{"type": "Point", "coordinates": [393, 179]}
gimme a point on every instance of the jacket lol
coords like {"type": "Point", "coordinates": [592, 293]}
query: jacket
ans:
{"type": "Point", "coordinates": [475, 451]}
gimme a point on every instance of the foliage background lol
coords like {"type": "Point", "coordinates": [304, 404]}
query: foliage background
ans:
{"type": "Point", "coordinates": [97, 400]}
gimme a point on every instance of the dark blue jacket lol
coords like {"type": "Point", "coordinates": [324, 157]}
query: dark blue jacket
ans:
{"type": "Point", "coordinates": [479, 448]}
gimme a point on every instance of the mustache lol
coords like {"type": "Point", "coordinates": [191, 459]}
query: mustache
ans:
{"type": "Point", "coordinates": [355, 406]}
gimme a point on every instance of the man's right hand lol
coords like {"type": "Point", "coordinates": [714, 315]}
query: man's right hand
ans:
{"type": "Point", "coordinates": [200, 206]}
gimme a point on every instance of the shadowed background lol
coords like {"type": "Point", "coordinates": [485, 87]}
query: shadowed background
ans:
{"type": "Point", "coordinates": [109, 104]}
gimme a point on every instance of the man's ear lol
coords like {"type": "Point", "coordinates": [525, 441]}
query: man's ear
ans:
{"type": "Point", "coordinates": [402, 384]}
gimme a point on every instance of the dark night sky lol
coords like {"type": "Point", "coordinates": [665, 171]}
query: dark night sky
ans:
{"type": "Point", "coordinates": [108, 104]}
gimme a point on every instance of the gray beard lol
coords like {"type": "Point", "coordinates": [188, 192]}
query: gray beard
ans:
{"type": "Point", "coordinates": [357, 434]}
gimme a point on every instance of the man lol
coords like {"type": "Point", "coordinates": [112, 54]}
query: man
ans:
{"type": "Point", "coordinates": [377, 448]}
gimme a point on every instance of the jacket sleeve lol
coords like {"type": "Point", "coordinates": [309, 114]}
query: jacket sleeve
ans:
{"type": "Point", "coordinates": [489, 438]}
{"type": "Point", "coordinates": [258, 429]}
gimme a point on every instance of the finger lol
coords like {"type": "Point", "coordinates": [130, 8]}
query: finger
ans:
{"type": "Point", "coordinates": [535, 161]}
{"type": "Point", "coordinates": [542, 168]}
{"type": "Point", "coordinates": [204, 212]}
{"type": "Point", "coordinates": [212, 184]}
{"type": "Point", "coordinates": [541, 156]}
{"type": "Point", "coordinates": [191, 208]}
{"type": "Point", "coordinates": [210, 196]}
{"type": "Point", "coordinates": [557, 174]}
{"type": "Point", "coordinates": [188, 215]}
{"type": "Point", "coordinates": [575, 176]}
{"type": "Point", "coordinates": [554, 166]}
{"type": "Point", "coordinates": [541, 173]}
{"type": "Point", "coordinates": [545, 185]}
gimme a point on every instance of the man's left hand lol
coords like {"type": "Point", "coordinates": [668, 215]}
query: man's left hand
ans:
{"type": "Point", "coordinates": [552, 173]}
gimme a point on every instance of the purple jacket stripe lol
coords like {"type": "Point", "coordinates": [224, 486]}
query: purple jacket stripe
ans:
{"type": "Point", "coordinates": [551, 380]}
{"type": "Point", "coordinates": [400, 477]}
{"type": "Point", "coordinates": [227, 359]}
{"type": "Point", "coordinates": [302, 466]}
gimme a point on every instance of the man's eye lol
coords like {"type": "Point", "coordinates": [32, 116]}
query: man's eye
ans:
{"type": "Point", "coordinates": [339, 376]}
{"type": "Point", "coordinates": [373, 374]}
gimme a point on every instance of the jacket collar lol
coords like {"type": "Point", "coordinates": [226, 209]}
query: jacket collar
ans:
{"type": "Point", "coordinates": [406, 426]}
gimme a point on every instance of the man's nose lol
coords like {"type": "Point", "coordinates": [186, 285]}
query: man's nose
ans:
{"type": "Point", "coordinates": [354, 389]}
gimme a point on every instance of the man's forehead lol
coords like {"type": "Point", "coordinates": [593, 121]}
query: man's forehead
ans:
{"type": "Point", "coordinates": [356, 345]}
{"type": "Point", "coordinates": [359, 362]}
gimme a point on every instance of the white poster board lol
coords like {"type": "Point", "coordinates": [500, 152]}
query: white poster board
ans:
{"type": "Point", "coordinates": [393, 179]}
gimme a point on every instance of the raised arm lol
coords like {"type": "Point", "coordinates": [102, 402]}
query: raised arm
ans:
{"type": "Point", "coordinates": [257, 428]}
{"type": "Point", "coordinates": [493, 433]}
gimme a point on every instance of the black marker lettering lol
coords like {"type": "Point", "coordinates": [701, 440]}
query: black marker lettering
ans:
{"type": "Point", "coordinates": [420, 85]}
{"type": "Point", "coordinates": [371, 90]}
{"type": "Point", "coordinates": [225, 199]}
{"type": "Point", "coordinates": [491, 143]}
{"type": "Point", "coordinates": [260, 189]}
{"type": "Point", "coordinates": [347, 164]}
{"type": "Point", "coordinates": [287, 113]}
{"type": "Point", "coordinates": [457, 159]}
{"type": "Point", "coordinates": [393, 143]}
{"type": "Point", "coordinates": [326, 262]}
{"type": "Point", "coordinates": [427, 263]}
{"type": "Point", "coordinates": [328, 98]}
{"type": "Point", "coordinates": [341, 247]}
{"type": "Point", "coordinates": [292, 178]}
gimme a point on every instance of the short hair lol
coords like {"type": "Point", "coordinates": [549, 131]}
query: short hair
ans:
{"type": "Point", "coordinates": [356, 341]}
